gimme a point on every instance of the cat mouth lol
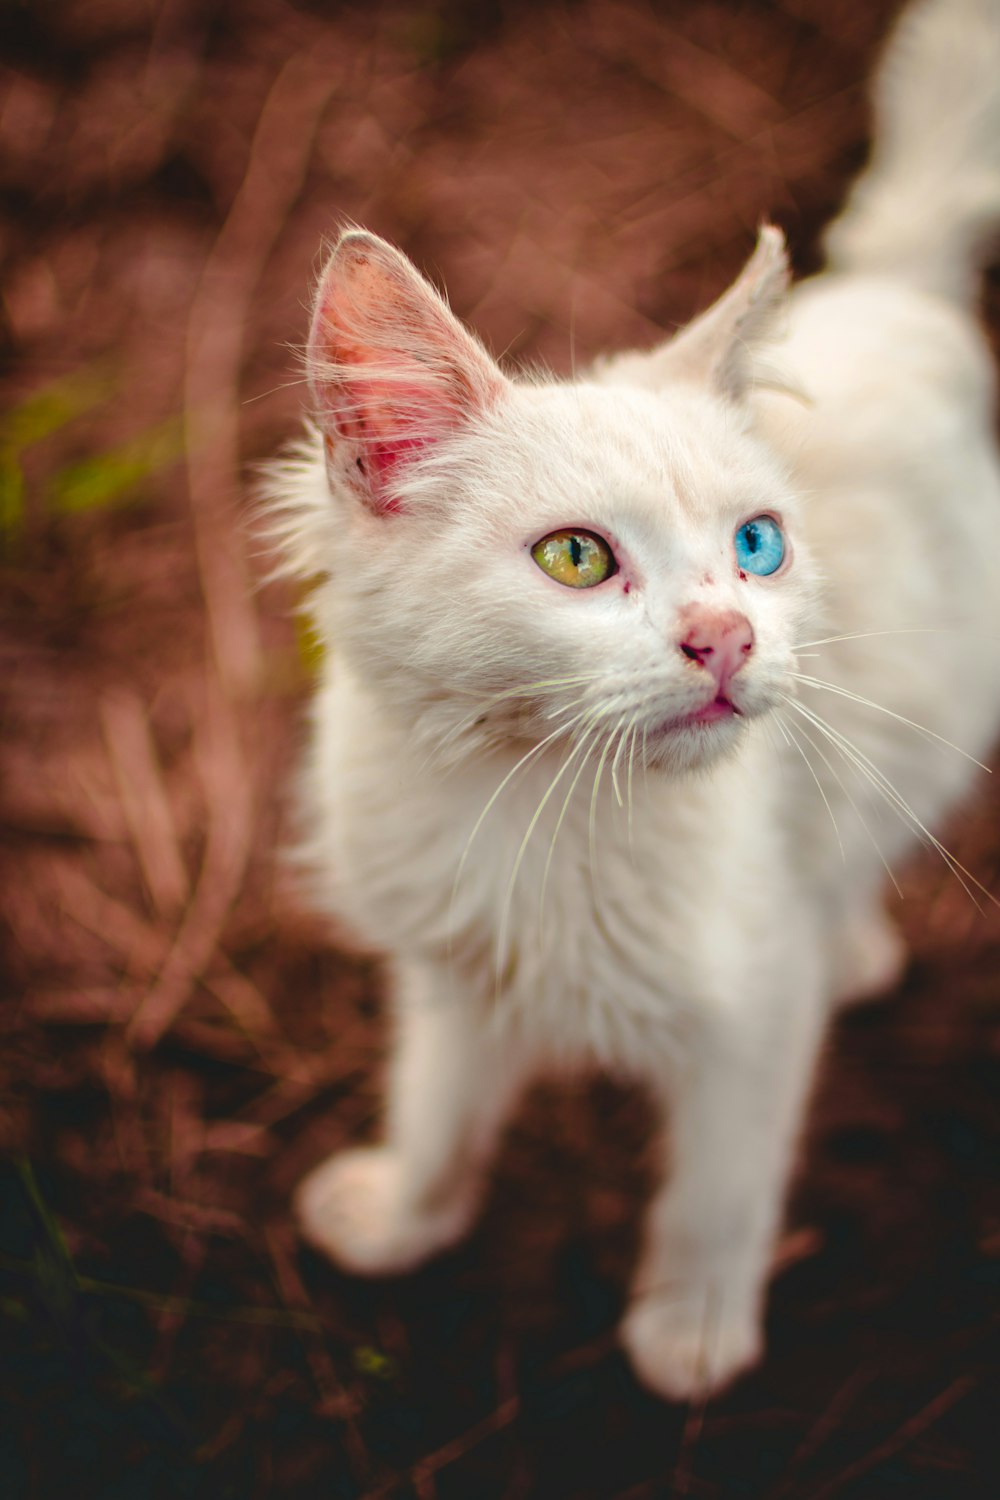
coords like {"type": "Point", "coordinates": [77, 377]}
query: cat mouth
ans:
{"type": "Point", "coordinates": [713, 712]}
{"type": "Point", "coordinates": [718, 708]}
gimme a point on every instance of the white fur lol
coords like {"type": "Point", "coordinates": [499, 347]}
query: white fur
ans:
{"type": "Point", "coordinates": [690, 906]}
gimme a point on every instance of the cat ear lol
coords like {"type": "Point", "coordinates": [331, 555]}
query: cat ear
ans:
{"type": "Point", "coordinates": [392, 371]}
{"type": "Point", "coordinates": [717, 348]}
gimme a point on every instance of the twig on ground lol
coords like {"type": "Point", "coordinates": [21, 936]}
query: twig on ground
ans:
{"type": "Point", "coordinates": [133, 756]}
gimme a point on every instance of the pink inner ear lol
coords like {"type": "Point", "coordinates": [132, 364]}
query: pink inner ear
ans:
{"type": "Point", "coordinates": [388, 423]}
{"type": "Point", "coordinates": [392, 370]}
{"type": "Point", "coordinates": [387, 457]}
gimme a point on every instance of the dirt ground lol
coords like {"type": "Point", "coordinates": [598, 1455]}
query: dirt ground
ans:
{"type": "Point", "coordinates": [179, 1038]}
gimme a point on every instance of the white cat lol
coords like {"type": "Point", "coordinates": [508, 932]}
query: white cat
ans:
{"type": "Point", "coordinates": [593, 760]}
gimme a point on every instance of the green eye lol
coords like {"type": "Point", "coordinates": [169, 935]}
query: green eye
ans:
{"type": "Point", "coordinates": [576, 558]}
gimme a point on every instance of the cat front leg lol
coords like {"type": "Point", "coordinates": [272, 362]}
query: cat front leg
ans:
{"type": "Point", "coordinates": [383, 1209]}
{"type": "Point", "coordinates": [695, 1319]}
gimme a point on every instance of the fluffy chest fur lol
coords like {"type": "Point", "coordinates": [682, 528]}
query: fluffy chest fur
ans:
{"type": "Point", "coordinates": [603, 910]}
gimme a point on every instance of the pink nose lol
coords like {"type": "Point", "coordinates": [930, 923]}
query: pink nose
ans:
{"type": "Point", "coordinates": [720, 640]}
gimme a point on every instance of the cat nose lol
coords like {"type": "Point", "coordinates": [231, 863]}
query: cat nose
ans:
{"type": "Point", "coordinates": [720, 640]}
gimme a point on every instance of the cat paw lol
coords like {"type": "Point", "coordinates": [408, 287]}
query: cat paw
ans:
{"type": "Point", "coordinates": [681, 1354]}
{"type": "Point", "coordinates": [354, 1208]}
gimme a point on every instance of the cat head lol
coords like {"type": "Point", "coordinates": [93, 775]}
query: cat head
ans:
{"type": "Point", "coordinates": [617, 559]}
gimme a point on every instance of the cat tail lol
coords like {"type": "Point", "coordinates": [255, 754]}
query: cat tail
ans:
{"type": "Point", "coordinates": [927, 206]}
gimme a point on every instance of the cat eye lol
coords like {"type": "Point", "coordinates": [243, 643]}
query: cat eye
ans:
{"type": "Point", "coordinates": [760, 546]}
{"type": "Point", "coordinates": [576, 558]}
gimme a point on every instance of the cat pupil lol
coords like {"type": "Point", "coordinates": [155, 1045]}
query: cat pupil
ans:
{"type": "Point", "coordinates": [752, 537]}
{"type": "Point", "coordinates": [575, 550]}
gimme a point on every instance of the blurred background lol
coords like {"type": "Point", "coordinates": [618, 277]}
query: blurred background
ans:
{"type": "Point", "coordinates": [179, 1039]}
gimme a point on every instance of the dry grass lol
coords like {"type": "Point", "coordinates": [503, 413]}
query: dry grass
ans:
{"type": "Point", "coordinates": [179, 1041]}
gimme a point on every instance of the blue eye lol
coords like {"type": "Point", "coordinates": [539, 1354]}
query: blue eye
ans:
{"type": "Point", "coordinates": [760, 546]}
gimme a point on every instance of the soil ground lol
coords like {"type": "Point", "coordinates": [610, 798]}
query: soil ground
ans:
{"type": "Point", "coordinates": [181, 1040]}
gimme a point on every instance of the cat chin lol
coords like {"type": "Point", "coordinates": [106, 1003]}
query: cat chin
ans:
{"type": "Point", "coordinates": [694, 745]}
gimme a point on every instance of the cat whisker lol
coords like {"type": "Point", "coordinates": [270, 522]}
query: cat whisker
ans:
{"type": "Point", "coordinates": [847, 793]}
{"type": "Point", "coordinates": [537, 749]}
{"type": "Point", "coordinates": [864, 635]}
{"type": "Point", "coordinates": [842, 692]}
{"type": "Point", "coordinates": [523, 690]}
{"type": "Point", "coordinates": [881, 783]}
{"type": "Point", "coordinates": [614, 768]}
{"type": "Point", "coordinates": [870, 773]}
{"type": "Point", "coordinates": [645, 760]}
{"type": "Point", "coordinates": [623, 749]}
{"type": "Point", "coordinates": [557, 712]}
{"type": "Point", "coordinates": [283, 385]}
{"type": "Point", "coordinates": [791, 739]}
{"type": "Point", "coordinates": [553, 713]}
{"type": "Point", "coordinates": [518, 860]}
{"type": "Point", "coordinates": [586, 745]}
{"type": "Point", "coordinates": [632, 729]}
{"type": "Point", "coordinates": [614, 779]}
{"type": "Point", "coordinates": [592, 825]}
